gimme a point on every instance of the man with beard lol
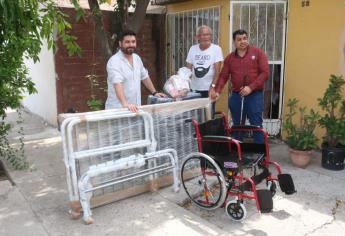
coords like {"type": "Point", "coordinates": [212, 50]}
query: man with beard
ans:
{"type": "Point", "coordinates": [125, 72]}
{"type": "Point", "coordinates": [248, 70]}
{"type": "Point", "coordinates": [204, 59]}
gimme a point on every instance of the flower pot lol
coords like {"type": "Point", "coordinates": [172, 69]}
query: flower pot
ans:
{"type": "Point", "coordinates": [333, 157]}
{"type": "Point", "coordinates": [300, 158]}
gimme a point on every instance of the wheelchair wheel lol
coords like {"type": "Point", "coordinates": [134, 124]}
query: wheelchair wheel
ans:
{"type": "Point", "coordinates": [203, 181]}
{"type": "Point", "coordinates": [272, 186]}
{"type": "Point", "coordinates": [236, 210]}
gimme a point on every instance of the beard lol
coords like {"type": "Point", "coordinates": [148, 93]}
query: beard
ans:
{"type": "Point", "coordinates": [128, 50]}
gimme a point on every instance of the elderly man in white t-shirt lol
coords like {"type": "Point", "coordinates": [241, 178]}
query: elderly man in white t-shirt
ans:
{"type": "Point", "coordinates": [125, 74]}
{"type": "Point", "coordinates": [204, 59]}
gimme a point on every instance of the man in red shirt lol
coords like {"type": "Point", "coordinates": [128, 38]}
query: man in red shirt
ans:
{"type": "Point", "coordinates": [248, 70]}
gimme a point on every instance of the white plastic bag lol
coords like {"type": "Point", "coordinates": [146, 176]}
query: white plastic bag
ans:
{"type": "Point", "coordinates": [184, 73]}
{"type": "Point", "coordinates": [178, 85]}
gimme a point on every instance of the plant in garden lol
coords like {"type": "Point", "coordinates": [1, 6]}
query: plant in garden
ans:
{"type": "Point", "coordinates": [24, 26]}
{"type": "Point", "coordinates": [333, 104]}
{"type": "Point", "coordinates": [300, 135]}
{"type": "Point", "coordinates": [93, 103]}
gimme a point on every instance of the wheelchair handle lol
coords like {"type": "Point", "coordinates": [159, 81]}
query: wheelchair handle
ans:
{"type": "Point", "coordinates": [188, 120]}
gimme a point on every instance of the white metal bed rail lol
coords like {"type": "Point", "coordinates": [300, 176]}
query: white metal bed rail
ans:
{"type": "Point", "coordinates": [85, 186]}
{"type": "Point", "coordinates": [79, 189]}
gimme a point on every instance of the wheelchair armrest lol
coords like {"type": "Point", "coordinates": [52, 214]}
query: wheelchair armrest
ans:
{"type": "Point", "coordinates": [215, 138]}
{"type": "Point", "coordinates": [247, 127]}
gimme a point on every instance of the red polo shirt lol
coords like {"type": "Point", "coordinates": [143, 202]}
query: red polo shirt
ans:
{"type": "Point", "coordinates": [250, 70]}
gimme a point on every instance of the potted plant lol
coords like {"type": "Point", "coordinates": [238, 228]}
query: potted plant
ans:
{"type": "Point", "coordinates": [300, 135]}
{"type": "Point", "coordinates": [333, 120]}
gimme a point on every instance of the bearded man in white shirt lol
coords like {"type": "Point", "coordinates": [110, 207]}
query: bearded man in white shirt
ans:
{"type": "Point", "coordinates": [125, 74]}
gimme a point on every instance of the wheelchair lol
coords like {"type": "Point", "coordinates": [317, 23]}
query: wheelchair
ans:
{"type": "Point", "coordinates": [219, 169]}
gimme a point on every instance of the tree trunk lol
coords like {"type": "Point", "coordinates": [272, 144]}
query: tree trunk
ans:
{"type": "Point", "coordinates": [138, 17]}
{"type": "Point", "coordinates": [134, 23]}
{"type": "Point", "coordinates": [101, 34]}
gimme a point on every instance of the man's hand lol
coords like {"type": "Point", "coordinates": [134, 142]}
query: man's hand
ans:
{"type": "Point", "coordinates": [161, 95]}
{"type": "Point", "coordinates": [246, 90]}
{"type": "Point", "coordinates": [132, 108]}
{"type": "Point", "coordinates": [213, 95]}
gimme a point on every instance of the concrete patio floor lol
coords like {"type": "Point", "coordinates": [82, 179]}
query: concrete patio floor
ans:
{"type": "Point", "coordinates": [38, 204]}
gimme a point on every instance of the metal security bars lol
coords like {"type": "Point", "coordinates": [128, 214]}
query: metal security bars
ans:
{"type": "Point", "coordinates": [181, 32]}
{"type": "Point", "coordinates": [265, 22]}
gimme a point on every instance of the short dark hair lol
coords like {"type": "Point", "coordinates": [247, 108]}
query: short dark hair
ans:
{"type": "Point", "coordinates": [239, 32]}
{"type": "Point", "coordinates": [126, 33]}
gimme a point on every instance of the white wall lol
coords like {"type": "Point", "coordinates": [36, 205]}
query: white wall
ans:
{"type": "Point", "coordinates": [43, 103]}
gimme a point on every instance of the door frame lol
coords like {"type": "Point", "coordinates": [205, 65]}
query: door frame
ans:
{"type": "Point", "coordinates": [282, 72]}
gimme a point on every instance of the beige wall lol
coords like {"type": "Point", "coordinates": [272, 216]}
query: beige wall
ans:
{"type": "Point", "coordinates": [315, 49]}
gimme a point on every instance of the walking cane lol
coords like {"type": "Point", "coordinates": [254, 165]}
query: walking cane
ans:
{"type": "Point", "coordinates": [242, 101]}
{"type": "Point", "coordinates": [241, 119]}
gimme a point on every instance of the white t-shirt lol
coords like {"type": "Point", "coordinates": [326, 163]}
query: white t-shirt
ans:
{"type": "Point", "coordinates": [120, 71]}
{"type": "Point", "coordinates": [203, 65]}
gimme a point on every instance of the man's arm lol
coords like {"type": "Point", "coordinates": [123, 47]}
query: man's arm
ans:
{"type": "Point", "coordinates": [217, 66]}
{"type": "Point", "coordinates": [264, 72]}
{"type": "Point", "coordinates": [189, 66]}
{"type": "Point", "coordinates": [149, 85]}
{"type": "Point", "coordinates": [224, 74]}
{"type": "Point", "coordinates": [223, 78]}
{"type": "Point", "coordinates": [118, 87]}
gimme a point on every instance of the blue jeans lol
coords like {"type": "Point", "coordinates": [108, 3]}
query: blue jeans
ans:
{"type": "Point", "coordinates": [253, 107]}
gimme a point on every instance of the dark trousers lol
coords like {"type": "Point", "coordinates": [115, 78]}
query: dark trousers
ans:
{"type": "Point", "coordinates": [253, 107]}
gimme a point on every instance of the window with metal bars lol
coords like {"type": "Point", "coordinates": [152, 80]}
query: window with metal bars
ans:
{"type": "Point", "coordinates": [181, 34]}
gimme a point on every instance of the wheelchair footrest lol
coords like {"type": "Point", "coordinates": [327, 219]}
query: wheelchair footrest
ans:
{"type": "Point", "coordinates": [265, 200]}
{"type": "Point", "coordinates": [286, 184]}
{"type": "Point", "coordinates": [246, 186]}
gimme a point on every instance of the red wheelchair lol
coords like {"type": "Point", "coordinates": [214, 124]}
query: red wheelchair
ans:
{"type": "Point", "coordinates": [219, 169]}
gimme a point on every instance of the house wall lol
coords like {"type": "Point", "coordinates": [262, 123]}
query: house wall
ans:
{"type": "Point", "coordinates": [73, 88]}
{"type": "Point", "coordinates": [43, 103]}
{"type": "Point", "coordinates": [315, 49]}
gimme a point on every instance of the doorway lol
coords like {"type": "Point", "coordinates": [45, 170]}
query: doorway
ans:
{"type": "Point", "coordinates": [265, 22]}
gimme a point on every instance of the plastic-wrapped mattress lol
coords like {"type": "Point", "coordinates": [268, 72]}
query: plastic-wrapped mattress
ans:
{"type": "Point", "coordinates": [156, 100]}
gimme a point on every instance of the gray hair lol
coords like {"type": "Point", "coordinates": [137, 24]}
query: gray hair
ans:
{"type": "Point", "coordinates": [203, 27]}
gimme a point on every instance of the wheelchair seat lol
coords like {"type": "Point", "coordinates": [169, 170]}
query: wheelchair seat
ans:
{"type": "Point", "coordinates": [215, 135]}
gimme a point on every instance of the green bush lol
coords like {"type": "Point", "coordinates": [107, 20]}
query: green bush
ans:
{"type": "Point", "coordinates": [300, 135]}
{"type": "Point", "coordinates": [24, 26]}
{"type": "Point", "coordinates": [333, 105]}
